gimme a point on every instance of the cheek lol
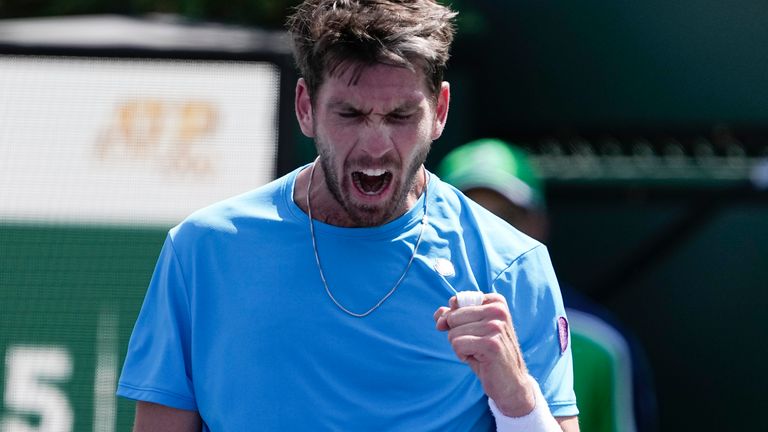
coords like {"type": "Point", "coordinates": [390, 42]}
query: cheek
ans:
{"type": "Point", "coordinates": [415, 137]}
{"type": "Point", "coordinates": [341, 132]}
{"type": "Point", "coordinates": [334, 140]}
{"type": "Point", "coordinates": [418, 131]}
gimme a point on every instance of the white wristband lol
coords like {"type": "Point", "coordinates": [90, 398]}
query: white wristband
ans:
{"type": "Point", "coordinates": [538, 420]}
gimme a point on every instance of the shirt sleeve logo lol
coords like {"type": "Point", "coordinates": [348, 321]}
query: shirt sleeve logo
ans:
{"type": "Point", "coordinates": [562, 333]}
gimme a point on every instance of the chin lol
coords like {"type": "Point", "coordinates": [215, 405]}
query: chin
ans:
{"type": "Point", "coordinates": [367, 215]}
{"type": "Point", "coordinates": [373, 213]}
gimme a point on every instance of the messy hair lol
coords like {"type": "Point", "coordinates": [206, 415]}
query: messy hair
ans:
{"type": "Point", "coordinates": [332, 36]}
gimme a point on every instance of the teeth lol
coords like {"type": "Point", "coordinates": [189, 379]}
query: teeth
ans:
{"type": "Point", "coordinates": [373, 172]}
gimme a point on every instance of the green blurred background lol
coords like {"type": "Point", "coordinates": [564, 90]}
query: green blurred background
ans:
{"type": "Point", "coordinates": [648, 119]}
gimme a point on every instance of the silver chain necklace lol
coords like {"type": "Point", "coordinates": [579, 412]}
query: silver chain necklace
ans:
{"type": "Point", "coordinates": [320, 267]}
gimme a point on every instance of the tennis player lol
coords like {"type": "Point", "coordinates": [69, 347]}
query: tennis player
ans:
{"type": "Point", "coordinates": [358, 292]}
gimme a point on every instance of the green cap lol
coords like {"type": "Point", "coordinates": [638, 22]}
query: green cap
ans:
{"type": "Point", "coordinates": [497, 165]}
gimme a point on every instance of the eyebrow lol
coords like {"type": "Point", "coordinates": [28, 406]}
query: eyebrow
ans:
{"type": "Point", "coordinates": [409, 105]}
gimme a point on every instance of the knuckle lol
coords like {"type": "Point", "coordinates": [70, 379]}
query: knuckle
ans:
{"type": "Point", "coordinates": [498, 311]}
{"type": "Point", "coordinates": [450, 320]}
{"type": "Point", "coordinates": [457, 345]}
{"type": "Point", "coordinates": [495, 327]}
{"type": "Point", "coordinates": [494, 345]}
{"type": "Point", "coordinates": [496, 297]}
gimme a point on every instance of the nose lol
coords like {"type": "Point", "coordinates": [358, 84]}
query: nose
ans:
{"type": "Point", "coordinates": [376, 141]}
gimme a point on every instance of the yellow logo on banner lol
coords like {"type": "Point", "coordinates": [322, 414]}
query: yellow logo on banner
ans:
{"type": "Point", "coordinates": [169, 133]}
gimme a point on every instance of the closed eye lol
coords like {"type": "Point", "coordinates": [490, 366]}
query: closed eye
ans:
{"type": "Point", "coordinates": [395, 116]}
{"type": "Point", "coordinates": [350, 114]}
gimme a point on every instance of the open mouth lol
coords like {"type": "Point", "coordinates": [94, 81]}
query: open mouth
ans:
{"type": "Point", "coordinates": [371, 181]}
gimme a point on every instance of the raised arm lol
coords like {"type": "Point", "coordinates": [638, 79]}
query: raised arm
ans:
{"type": "Point", "coordinates": [482, 335]}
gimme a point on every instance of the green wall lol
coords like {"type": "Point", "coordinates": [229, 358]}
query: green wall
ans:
{"type": "Point", "coordinates": [77, 291]}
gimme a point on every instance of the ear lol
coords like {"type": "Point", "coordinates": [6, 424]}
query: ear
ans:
{"type": "Point", "coordinates": [303, 106]}
{"type": "Point", "coordinates": [441, 111]}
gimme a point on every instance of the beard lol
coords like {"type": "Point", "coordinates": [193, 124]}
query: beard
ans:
{"type": "Point", "coordinates": [367, 215]}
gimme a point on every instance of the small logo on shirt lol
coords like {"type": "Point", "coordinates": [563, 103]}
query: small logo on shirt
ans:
{"type": "Point", "coordinates": [562, 332]}
{"type": "Point", "coordinates": [444, 267]}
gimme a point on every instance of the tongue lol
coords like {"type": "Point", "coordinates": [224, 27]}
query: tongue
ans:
{"type": "Point", "coordinates": [370, 184]}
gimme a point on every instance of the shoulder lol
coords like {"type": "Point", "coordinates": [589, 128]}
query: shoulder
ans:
{"type": "Point", "coordinates": [479, 227]}
{"type": "Point", "coordinates": [495, 254]}
{"type": "Point", "coordinates": [263, 205]}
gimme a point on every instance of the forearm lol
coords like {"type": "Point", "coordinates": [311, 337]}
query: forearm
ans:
{"type": "Point", "coordinates": [539, 419]}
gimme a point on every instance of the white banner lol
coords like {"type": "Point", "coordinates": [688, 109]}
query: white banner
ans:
{"type": "Point", "coordinates": [132, 141]}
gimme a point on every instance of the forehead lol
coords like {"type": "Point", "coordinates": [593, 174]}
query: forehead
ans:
{"type": "Point", "coordinates": [373, 86]}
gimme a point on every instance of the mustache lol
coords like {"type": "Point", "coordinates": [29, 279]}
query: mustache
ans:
{"type": "Point", "coordinates": [388, 163]}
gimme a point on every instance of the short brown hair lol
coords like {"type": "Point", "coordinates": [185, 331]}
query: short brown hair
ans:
{"type": "Point", "coordinates": [332, 35]}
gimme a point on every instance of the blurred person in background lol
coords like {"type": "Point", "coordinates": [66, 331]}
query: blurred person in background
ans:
{"type": "Point", "coordinates": [359, 292]}
{"type": "Point", "coordinates": [612, 379]}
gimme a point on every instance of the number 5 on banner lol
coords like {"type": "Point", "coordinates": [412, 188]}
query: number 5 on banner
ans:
{"type": "Point", "coordinates": [30, 390]}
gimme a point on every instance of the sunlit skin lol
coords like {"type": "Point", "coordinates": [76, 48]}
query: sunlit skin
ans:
{"type": "Point", "coordinates": [384, 122]}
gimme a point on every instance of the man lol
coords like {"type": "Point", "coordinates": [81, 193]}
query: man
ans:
{"type": "Point", "coordinates": [311, 303]}
{"type": "Point", "coordinates": [612, 380]}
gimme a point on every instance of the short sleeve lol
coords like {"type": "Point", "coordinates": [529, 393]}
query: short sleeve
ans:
{"type": "Point", "coordinates": [157, 365]}
{"type": "Point", "coordinates": [538, 314]}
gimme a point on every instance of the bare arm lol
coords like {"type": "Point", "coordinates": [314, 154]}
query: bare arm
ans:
{"type": "Point", "coordinates": [151, 417]}
{"type": "Point", "coordinates": [568, 424]}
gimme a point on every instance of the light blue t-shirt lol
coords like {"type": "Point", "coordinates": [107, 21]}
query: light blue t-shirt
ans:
{"type": "Point", "coordinates": [237, 325]}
